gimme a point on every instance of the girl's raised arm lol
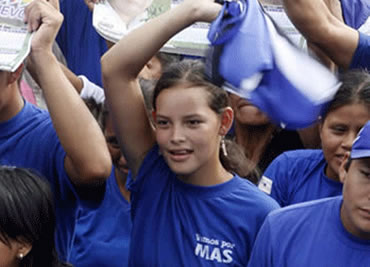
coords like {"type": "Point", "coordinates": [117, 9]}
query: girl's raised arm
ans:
{"type": "Point", "coordinates": [122, 64]}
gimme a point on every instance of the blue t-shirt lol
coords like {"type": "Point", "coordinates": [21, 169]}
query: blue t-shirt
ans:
{"type": "Point", "coordinates": [298, 176]}
{"type": "Point", "coordinates": [309, 234]}
{"type": "Point", "coordinates": [361, 58]}
{"type": "Point", "coordinates": [29, 140]}
{"type": "Point", "coordinates": [178, 224]}
{"type": "Point", "coordinates": [102, 234]}
{"type": "Point", "coordinates": [355, 12]}
{"type": "Point", "coordinates": [81, 45]}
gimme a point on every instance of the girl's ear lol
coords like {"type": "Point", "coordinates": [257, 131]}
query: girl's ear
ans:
{"type": "Point", "coordinates": [342, 169]}
{"type": "Point", "coordinates": [227, 118]}
{"type": "Point", "coordinates": [23, 248]}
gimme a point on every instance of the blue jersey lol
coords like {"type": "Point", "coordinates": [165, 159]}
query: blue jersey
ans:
{"type": "Point", "coordinates": [102, 234]}
{"type": "Point", "coordinates": [355, 12]}
{"type": "Point", "coordinates": [178, 224]}
{"type": "Point", "coordinates": [361, 58]}
{"type": "Point", "coordinates": [298, 176]}
{"type": "Point", "coordinates": [29, 140]}
{"type": "Point", "coordinates": [81, 45]}
{"type": "Point", "coordinates": [309, 234]}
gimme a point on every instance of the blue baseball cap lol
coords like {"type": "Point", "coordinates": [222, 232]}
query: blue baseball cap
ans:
{"type": "Point", "coordinates": [361, 145]}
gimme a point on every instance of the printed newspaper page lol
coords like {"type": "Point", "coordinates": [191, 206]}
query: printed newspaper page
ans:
{"type": "Point", "coordinates": [113, 19]}
{"type": "Point", "coordinates": [15, 41]}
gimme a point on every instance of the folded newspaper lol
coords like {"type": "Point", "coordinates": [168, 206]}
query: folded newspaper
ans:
{"type": "Point", "coordinates": [15, 40]}
{"type": "Point", "coordinates": [113, 19]}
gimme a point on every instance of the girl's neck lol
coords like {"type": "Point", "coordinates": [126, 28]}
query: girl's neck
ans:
{"type": "Point", "coordinates": [207, 176]}
{"type": "Point", "coordinates": [254, 139]}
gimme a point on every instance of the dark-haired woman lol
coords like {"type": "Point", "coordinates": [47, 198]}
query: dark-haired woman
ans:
{"type": "Point", "coordinates": [27, 221]}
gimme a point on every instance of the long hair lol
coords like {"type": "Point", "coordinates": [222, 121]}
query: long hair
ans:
{"type": "Point", "coordinates": [192, 73]}
{"type": "Point", "coordinates": [27, 215]}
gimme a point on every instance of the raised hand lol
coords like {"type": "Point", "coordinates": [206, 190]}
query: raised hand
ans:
{"type": "Point", "coordinates": [45, 20]}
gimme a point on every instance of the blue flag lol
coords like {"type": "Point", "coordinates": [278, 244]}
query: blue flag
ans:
{"type": "Point", "coordinates": [251, 58]}
{"type": "Point", "coordinates": [355, 12]}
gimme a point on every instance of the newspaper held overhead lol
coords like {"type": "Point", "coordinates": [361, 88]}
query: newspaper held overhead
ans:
{"type": "Point", "coordinates": [15, 40]}
{"type": "Point", "coordinates": [113, 19]}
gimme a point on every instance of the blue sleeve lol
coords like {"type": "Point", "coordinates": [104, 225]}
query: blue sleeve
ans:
{"type": "Point", "coordinates": [262, 251]}
{"type": "Point", "coordinates": [274, 181]}
{"type": "Point", "coordinates": [361, 58]}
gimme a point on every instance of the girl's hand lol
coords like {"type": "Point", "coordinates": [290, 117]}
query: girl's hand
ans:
{"type": "Point", "coordinates": [203, 10]}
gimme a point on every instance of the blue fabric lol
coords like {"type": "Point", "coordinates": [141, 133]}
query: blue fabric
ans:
{"type": "Point", "coordinates": [252, 59]}
{"type": "Point", "coordinates": [308, 234]}
{"type": "Point", "coordinates": [102, 234]}
{"type": "Point", "coordinates": [29, 140]}
{"type": "Point", "coordinates": [81, 45]}
{"type": "Point", "coordinates": [355, 12]}
{"type": "Point", "coordinates": [361, 58]}
{"type": "Point", "coordinates": [178, 224]}
{"type": "Point", "coordinates": [299, 176]}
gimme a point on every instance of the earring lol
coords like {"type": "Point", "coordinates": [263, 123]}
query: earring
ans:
{"type": "Point", "coordinates": [20, 256]}
{"type": "Point", "coordinates": [223, 146]}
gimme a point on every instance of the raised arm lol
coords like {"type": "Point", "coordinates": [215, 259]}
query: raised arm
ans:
{"type": "Point", "coordinates": [122, 64]}
{"type": "Point", "coordinates": [87, 157]}
{"type": "Point", "coordinates": [316, 21]}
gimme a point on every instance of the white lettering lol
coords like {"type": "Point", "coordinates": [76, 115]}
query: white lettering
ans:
{"type": "Point", "coordinates": [227, 254]}
{"type": "Point", "coordinates": [216, 255]}
{"type": "Point", "coordinates": [202, 251]}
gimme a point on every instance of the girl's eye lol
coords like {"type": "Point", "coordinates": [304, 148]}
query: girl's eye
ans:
{"type": "Point", "coordinates": [162, 123]}
{"type": "Point", "coordinates": [193, 122]}
{"type": "Point", "coordinates": [338, 129]}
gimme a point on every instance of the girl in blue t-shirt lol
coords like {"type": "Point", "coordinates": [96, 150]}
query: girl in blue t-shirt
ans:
{"type": "Point", "coordinates": [304, 175]}
{"type": "Point", "coordinates": [188, 207]}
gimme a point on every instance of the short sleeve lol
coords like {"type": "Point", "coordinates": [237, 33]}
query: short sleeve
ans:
{"type": "Point", "coordinates": [274, 181]}
{"type": "Point", "coordinates": [361, 58]}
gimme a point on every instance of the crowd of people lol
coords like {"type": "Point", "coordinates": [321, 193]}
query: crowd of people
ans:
{"type": "Point", "coordinates": [136, 158]}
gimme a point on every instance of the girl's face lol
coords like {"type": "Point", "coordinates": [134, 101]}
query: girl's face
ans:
{"type": "Point", "coordinates": [246, 113]}
{"type": "Point", "coordinates": [188, 131]}
{"type": "Point", "coordinates": [338, 131]}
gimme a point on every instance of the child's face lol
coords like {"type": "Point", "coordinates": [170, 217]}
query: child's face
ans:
{"type": "Point", "coordinates": [355, 210]}
{"type": "Point", "coordinates": [338, 131]}
{"type": "Point", "coordinates": [187, 130]}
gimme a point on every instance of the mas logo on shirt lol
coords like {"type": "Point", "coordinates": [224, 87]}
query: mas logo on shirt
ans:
{"type": "Point", "coordinates": [214, 249]}
{"type": "Point", "coordinates": [265, 185]}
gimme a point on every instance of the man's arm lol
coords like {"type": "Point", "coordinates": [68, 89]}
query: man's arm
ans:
{"type": "Point", "coordinates": [318, 25]}
{"type": "Point", "coordinates": [87, 157]}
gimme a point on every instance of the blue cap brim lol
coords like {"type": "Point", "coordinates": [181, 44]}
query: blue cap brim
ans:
{"type": "Point", "coordinates": [360, 153]}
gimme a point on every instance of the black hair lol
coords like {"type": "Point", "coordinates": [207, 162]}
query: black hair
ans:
{"type": "Point", "coordinates": [191, 73]}
{"type": "Point", "coordinates": [355, 88]}
{"type": "Point", "coordinates": [27, 215]}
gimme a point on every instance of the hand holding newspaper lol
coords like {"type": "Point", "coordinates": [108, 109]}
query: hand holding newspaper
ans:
{"type": "Point", "coordinates": [15, 40]}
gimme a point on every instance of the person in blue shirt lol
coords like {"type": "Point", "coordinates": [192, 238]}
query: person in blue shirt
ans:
{"type": "Point", "coordinates": [347, 47]}
{"type": "Point", "coordinates": [302, 175]}
{"type": "Point", "coordinates": [66, 145]}
{"type": "Point", "coordinates": [189, 206]}
{"type": "Point", "coordinates": [327, 232]}
{"type": "Point", "coordinates": [103, 227]}
{"type": "Point", "coordinates": [81, 45]}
